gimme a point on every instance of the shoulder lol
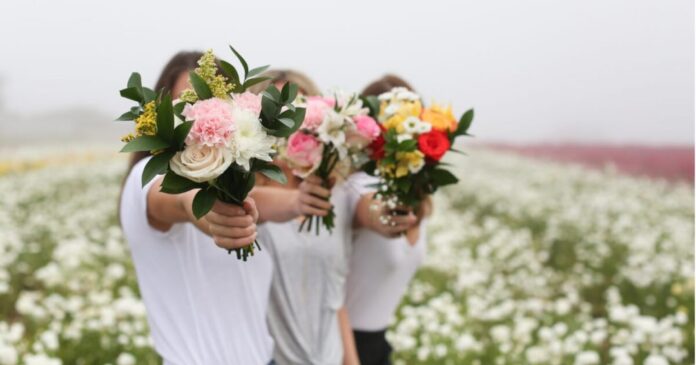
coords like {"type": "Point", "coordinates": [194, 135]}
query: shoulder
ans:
{"type": "Point", "coordinates": [361, 182]}
{"type": "Point", "coordinates": [134, 194]}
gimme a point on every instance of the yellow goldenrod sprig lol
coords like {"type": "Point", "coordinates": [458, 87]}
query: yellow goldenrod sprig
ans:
{"type": "Point", "coordinates": [208, 70]}
{"type": "Point", "coordinates": [145, 124]}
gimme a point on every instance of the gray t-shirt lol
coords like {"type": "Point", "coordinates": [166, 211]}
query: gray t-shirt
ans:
{"type": "Point", "coordinates": [307, 289]}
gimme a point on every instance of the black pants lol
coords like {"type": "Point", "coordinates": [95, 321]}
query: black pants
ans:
{"type": "Point", "coordinates": [373, 348]}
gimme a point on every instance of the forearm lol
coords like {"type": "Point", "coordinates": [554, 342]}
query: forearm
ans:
{"type": "Point", "coordinates": [350, 352]}
{"type": "Point", "coordinates": [275, 204]}
{"type": "Point", "coordinates": [165, 210]}
{"type": "Point", "coordinates": [371, 214]}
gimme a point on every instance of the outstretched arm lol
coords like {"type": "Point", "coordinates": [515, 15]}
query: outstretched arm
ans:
{"type": "Point", "coordinates": [372, 214]}
{"type": "Point", "coordinates": [278, 204]}
{"type": "Point", "coordinates": [229, 225]}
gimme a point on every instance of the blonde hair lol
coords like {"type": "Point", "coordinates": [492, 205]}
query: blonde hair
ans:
{"type": "Point", "coordinates": [304, 83]}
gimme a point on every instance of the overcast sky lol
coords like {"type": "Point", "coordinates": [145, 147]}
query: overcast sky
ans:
{"type": "Point", "coordinates": [584, 70]}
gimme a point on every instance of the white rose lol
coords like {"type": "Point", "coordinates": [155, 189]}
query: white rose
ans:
{"type": "Point", "coordinates": [201, 163]}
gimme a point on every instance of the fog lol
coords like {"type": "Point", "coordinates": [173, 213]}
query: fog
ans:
{"type": "Point", "coordinates": [617, 71]}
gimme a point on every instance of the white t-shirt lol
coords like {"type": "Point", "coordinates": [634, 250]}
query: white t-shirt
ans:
{"type": "Point", "coordinates": [204, 306]}
{"type": "Point", "coordinates": [309, 273]}
{"type": "Point", "coordinates": [380, 269]}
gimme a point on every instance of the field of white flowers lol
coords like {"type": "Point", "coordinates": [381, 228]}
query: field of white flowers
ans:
{"type": "Point", "coordinates": [529, 263]}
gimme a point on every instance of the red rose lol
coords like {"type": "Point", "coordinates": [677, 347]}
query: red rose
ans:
{"type": "Point", "coordinates": [377, 148]}
{"type": "Point", "coordinates": [433, 144]}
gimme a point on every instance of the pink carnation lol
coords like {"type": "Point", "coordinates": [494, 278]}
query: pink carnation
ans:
{"type": "Point", "coordinates": [248, 101]}
{"type": "Point", "coordinates": [303, 153]}
{"type": "Point", "coordinates": [317, 106]}
{"type": "Point", "coordinates": [366, 130]}
{"type": "Point", "coordinates": [212, 122]}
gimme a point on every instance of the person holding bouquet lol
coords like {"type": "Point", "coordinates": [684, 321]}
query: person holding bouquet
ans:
{"type": "Point", "coordinates": [204, 307]}
{"type": "Point", "coordinates": [384, 256]}
{"type": "Point", "coordinates": [306, 314]}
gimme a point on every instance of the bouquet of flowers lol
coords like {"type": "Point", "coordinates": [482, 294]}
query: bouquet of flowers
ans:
{"type": "Point", "coordinates": [406, 156]}
{"type": "Point", "coordinates": [216, 137]}
{"type": "Point", "coordinates": [335, 132]}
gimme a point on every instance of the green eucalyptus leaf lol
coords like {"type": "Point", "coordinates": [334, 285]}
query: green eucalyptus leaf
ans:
{"type": "Point", "coordinates": [242, 61]}
{"type": "Point", "coordinates": [251, 82]}
{"type": "Point", "coordinates": [408, 145]}
{"type": "Point", "coordinates": [165, 119]}
{"type": "Point", "coordinates": [251, 181]}
{"type": "Point", "coordinates": [269, 108]}
{"type": "Point", "coordinates": [175, 184]}
{"type": "Point", "coordinates": [299, 116]}
{"type": "Point", "coordinates": [257, 71]}
{"type": "Point", "coordinates": [199, 86]}
{"type": "Point", "coordinates": [181, 132]}
{"type": "Point", "coordinates": [464, 123]}
{"type": "Point", "coordinates": [127, 116]}
{"type": "Point", "coordinates": [132, 93]}
{"type": "Point", "coordinates": [179, 108]}
{"type": "Point", "coordinates": [372, 103]}
{"type": "Point", "coordinates": [135, 81]}
{"type": "Point", "coordinates": [203, 202]}
{"type": "Point", "coordinates": [230, 72]}
{"type": "Point", "coordinates": [157, 165]}
{"type": "Point", "coordinates": [292, 92]}
{"type": "Point", "coordinates": [288, 122]}
{"type": "Point", "coordinates": [148, 95]}
{"type": "Point", "coordinates": [285, 93]}
{"type": "Point", "coordinates": [272, 93]}
{"type": "Point", "coordinates": [273, 172]}
{"type": "Point", "coordinates": [443, 177]}
{"type": "Point", "coordinates": [145, 143]}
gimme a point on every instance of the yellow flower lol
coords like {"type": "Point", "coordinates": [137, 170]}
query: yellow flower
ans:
{"type": "Point", "coordinates": [208, 71]}
{"type": "Point", "coordinates": [188, 96]}
{"type": "Point", "coordinates": [409, 162]}
{"type": "Point", "coordinates": [145, 124]}
{"type": "Point", "coordinates": [395, 122]}
{"type": "Point", "coordinates": [440, 118]}
{"type": "Point", "coordinates": [393, 114]}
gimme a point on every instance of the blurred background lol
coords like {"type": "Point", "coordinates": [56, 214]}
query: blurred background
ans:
{"type": "Point", "coordinates": [569, 239]}
{"type": "Point", "coordinates": [539, 73]}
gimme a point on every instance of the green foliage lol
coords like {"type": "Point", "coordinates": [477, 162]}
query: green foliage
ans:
{"type": "Point", "coordinates": [372, 103]}
{"type": "Point", "coordinates": [180, 133]}
{"type": "Point", "coordinates": [271, 171]}
{"type": "Point", "coordinates": [165, 119]}
{"type": "Point", "coordinates": [157, 165]}
{"type": "Point", "coordinates": [277, 123]}
{"type": "Point", "coordinates": [463, 125]}
{"type": "Point", "coordinates": [199, 86]}
{"type": "Point", "coordinates": [145, 143]}
{"type": "Point", "coordinates": [175, 184]}
{"type": "Point", "coordinates": [231, 73]}
{"type": "Point", "coordinates": [203, 202]}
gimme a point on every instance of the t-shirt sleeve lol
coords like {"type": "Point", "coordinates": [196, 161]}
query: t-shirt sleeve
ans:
{"type": "Point", "coordinates": [134, 200]}
{"type": "Point", "coordinates": [359, 184]}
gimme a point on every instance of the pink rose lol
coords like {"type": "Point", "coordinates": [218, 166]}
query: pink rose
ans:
{"type": "Point", "coordinates": [303, 153]}
{"type": "Point", "coordinates": [366, 130]}
{"type": "Point", "coordinates": [248, 101]}
{"type": "Point", "coordinates": [317, 106]}
{"type": "Point", "coordinates": [212, 122]}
